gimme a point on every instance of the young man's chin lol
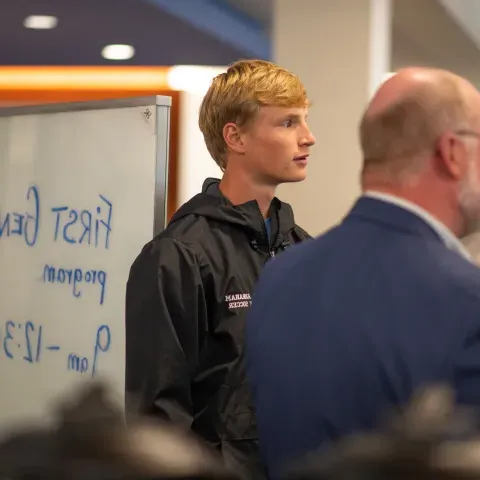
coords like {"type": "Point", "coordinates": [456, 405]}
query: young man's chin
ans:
{"type": "Point", "coordinates": [296, 177]}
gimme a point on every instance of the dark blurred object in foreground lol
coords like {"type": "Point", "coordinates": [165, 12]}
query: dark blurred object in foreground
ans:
{"type": "Point", "coordinates": [430, 439]}
{"type": "Point", "coordinates": [90, 440]}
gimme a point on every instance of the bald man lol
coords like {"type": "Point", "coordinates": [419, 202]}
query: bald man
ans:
{"type": "Point", "coordinates": [346, 327]}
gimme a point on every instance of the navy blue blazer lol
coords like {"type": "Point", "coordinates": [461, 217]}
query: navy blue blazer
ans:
{"type": "Point", "coordinates": [344, 327]}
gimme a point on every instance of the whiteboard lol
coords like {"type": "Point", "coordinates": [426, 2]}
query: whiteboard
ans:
{"type": "Point", "coordinates": [82, 189]}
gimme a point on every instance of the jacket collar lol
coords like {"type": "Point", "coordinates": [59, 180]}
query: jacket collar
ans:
{"type": "Point", "coordinates": [399, 214]}
{"type": "Point", "coordinates": [281, 213]}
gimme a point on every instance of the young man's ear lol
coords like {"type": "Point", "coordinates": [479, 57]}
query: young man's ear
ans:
{"type": "Point", "coordinates": [233, 137]}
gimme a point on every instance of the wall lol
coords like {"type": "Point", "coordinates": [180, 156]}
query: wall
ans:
{"type": "Point", "coordinates": [194, 162]}
{"type": "Point", "coordinates": [425, 34]}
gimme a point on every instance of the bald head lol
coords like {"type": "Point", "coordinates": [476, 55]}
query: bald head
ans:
{"type": "Point", "coordinates": [408, 114]}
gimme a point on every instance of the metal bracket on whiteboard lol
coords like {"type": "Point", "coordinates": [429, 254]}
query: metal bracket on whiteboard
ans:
{"type": "Point", "coordinates": [161, 172]}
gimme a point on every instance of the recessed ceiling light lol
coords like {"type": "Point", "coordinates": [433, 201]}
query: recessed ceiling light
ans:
{"type": "Point", "coordinates": [118, 52]}
{"type": "Point", "coordinates": [40, 22]}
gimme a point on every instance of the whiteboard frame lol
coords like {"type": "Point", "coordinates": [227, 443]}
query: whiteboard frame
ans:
{"type": "Point", "coordinates": [162, 105]}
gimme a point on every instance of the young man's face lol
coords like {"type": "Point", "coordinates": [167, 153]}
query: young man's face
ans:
{"type": "Point", "coordinates": [277, 145]}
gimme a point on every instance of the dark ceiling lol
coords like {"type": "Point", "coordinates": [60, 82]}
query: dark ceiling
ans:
{"type": "Point", "coordinates": [86, 26]}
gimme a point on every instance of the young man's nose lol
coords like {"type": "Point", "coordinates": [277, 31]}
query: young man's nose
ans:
{"type": "Point", "coordinates": [308, 138]}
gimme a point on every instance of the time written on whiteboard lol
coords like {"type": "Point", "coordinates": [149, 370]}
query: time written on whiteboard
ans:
{"type": "Point", "coordinates": [29, 342]}
{"type": "Point", "coordinates": [71, 225]}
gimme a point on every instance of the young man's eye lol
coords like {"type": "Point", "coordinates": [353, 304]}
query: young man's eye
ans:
{"type": "Point", "coordinates": [287, 123]}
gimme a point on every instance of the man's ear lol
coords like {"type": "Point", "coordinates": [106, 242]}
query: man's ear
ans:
{"type": "Point", "coordinates": [233, 137]}
{"type": "Point", "coordinates": [452, 154]}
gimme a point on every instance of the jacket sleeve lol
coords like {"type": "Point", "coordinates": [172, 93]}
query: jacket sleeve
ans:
{"type": "Point", "coordinates": [165, 316]}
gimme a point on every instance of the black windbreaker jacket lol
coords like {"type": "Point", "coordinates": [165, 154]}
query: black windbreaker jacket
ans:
{"type": "Point", "coordinates": [187, 297]}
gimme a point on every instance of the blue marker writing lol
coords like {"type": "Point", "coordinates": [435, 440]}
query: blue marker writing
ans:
{"type": "Point", "coordinates": [102, 344]}
{"type": "Point", "coordinates": [79, 226]}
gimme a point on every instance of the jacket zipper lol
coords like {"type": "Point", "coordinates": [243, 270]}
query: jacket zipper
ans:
{"type": "Point", "coordinates": [275, 245]}
{"type": "Point", "coordinates": [272, 246]}
{"type": "Point", "coordinates": [271, 251]}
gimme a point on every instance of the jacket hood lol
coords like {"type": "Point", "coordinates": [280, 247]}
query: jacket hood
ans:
{"type": "Point", "coordinates": [213, 205]}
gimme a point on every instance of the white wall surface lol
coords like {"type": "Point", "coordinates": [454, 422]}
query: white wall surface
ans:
{"type": "Point", "coordinates": [194, 162]}
{"type": "Point", "coordinates": [425, 33]}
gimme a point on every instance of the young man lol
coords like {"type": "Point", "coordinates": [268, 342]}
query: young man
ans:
{"type": "Point", "coordinates": [190, 288]}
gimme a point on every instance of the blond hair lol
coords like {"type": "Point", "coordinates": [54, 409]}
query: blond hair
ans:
{"type": "Point", "coordinates": [236, 96]}
{"type": "Point", "coordinates": [398, 135]}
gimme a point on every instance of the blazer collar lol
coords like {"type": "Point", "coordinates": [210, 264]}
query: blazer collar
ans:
{"type": "Point", "coordinates": [397, 214]}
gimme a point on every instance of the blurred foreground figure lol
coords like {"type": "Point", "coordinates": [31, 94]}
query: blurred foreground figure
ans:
{"type": "Point", "coordinates": [90, 441]}
{"type": "Point", "coordinates": [352, 323]}
{"type": "Point", "coordinates": [430, 439]}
